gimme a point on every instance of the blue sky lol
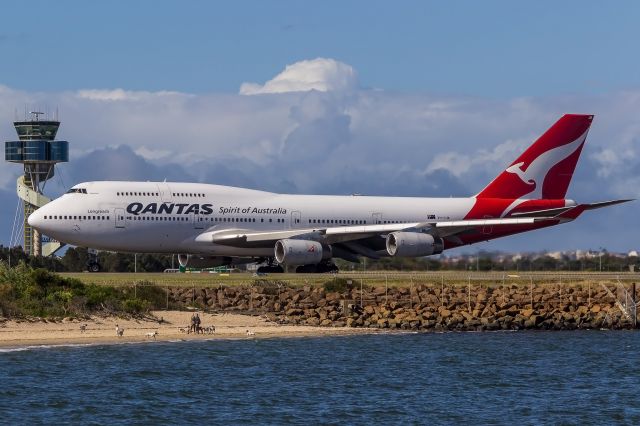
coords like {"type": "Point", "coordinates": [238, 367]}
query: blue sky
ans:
{"type": "Point", "coordinates": [411, 97]}
{"type": "Point", "coordinates": [489, 49]}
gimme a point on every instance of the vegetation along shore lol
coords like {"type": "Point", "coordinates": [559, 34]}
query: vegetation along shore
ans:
{"type": "Point", "coordinates": [333, 302]}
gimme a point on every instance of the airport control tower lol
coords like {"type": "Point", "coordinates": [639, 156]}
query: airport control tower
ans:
{"type": "Point", "coordinates": [38, 152]}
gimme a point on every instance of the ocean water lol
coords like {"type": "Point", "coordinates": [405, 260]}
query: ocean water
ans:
{"type": "Point", "coordinates": [585, 377]}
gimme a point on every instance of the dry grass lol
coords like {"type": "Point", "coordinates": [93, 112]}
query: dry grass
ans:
{"type": "Point", "coordinates": [373, 279]}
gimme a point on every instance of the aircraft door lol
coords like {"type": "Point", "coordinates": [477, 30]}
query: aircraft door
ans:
{"type": "Point", "coordinates": [295, 219]}
{"type": "Point", "coordinates": [198, 221]}
{"type": "Point", "coordinates": [376, 218]}
{"type": "Point", "coordinates": [165, 193]}
{"type": "Point", "coordinates": [119, 214]}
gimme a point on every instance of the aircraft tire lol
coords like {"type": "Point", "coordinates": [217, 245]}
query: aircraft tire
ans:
{"type": "Point", "coordinates": [94, 267]}
{"type": "Point", "coordinates": [306, 269]}
{"type": "Point", "coordinates": [276, 269]}
{"type": "Point", "coordinates": [328, 267]}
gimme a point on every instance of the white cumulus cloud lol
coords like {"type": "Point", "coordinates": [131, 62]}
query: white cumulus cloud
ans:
{"type": "Point", "coordinates": [328, 141]}
{"type": "Point", "coordinates": [322, 74]}
{"type": "Point", "coordinates": [120, 94]}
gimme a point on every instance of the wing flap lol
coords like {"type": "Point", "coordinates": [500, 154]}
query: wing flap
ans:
{"type": "Point", "coordinates": [451, 228]}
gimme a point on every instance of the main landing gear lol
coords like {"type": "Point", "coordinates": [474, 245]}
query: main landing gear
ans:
{"type": "Point", "coordinates": [93, 265]}
{"type": "Point", "coordinates": [320, 268]}
{"type": "Point", "coordinates": [270, 268]}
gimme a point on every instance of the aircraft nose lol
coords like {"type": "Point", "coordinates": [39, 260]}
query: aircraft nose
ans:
{"type": "Point", "coordinates": [35, 219]}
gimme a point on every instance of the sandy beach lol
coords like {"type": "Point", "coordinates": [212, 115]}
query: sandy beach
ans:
{"type": "Point", "coordinates": [103, 329]}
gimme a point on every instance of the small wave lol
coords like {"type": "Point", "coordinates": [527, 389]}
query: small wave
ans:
{"type": "Point", "coordinates": [38, 347]}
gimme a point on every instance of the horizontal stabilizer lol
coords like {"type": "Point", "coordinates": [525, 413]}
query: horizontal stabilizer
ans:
{"type": "Point", "coordinates": [576, 211]}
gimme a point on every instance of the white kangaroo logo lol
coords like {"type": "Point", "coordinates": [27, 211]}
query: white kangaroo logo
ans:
{"type": "Point", "coordinates": [539, 168]}
{"type": "Point", "coordinates": [516, 169]}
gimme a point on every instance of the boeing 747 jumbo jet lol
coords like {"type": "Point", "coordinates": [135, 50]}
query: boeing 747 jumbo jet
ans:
{"type": "Point", "coordinates": [212, 225]}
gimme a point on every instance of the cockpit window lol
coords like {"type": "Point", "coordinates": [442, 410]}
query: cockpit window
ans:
{"type": "Point", "coordinates": [77, 191]}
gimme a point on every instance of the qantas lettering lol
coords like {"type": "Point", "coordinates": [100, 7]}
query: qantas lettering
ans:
{"type": "Point", "coordinates": [169, 208]}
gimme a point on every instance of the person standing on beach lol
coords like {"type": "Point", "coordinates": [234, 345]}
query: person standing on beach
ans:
{"type": "Point", "coordinates": [197, 323]}
{"type": "Point", "coordinates": [193, 323]}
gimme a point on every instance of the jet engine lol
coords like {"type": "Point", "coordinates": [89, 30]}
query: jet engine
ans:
{"type": "Point", "coordinates": [413, 244]}
{"type": "Point", "coordinates": [300, 252]}
{"type": "Point", "coordinates": [200, 262]}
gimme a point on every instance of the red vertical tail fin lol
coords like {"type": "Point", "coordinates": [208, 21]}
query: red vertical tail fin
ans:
{"type": "Point", "coordinates": [545, 169]}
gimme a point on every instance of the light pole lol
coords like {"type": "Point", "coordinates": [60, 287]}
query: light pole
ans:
{"type": "Point", "coordinates": [600, 258]}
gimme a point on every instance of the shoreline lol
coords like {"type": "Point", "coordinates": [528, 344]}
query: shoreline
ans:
{"type": "Point", "coordinates": [39, 333]}
{"type": "Point", "coordinates": [102, 330]}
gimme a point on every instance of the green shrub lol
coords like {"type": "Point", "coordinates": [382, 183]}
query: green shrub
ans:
{"type": "Point", "coordinates": [339, 285]}
{"type": "Point", "coordinates": [135, 306]}
{"type": "Point", "coordinates": [38, 292]}
{"type": "Point", "coordinates": [151, 293]}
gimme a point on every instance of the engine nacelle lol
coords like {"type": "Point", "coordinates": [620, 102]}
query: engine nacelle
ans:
{"type": "Point", "coordinates": [201, 261]}
{"type": "Point", "coordinates": [413, 244]}
{"type": "Point", "coordinates": [300, 252]}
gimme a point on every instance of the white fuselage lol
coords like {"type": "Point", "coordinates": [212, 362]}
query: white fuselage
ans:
{"type": "Point", "coordinates": [167, 217]}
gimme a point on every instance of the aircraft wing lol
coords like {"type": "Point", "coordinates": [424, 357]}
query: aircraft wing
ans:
{"type": "Point", "coordinates": [341, 234]}
{"type": "Point", "coordinates": [329, 235]}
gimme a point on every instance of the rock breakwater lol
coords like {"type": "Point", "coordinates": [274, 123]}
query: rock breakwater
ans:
{"type": "Point", "coordinates": [422, 307]}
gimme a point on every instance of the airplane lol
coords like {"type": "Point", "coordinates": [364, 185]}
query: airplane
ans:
{"type": "Point", "coordinates": [213, 225]}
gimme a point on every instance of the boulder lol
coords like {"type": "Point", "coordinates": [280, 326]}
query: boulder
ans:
{"type": "Point", "coordinates": [527, 312]}
{"type": "Point", "coordinates": [313, 321]}
{"type": "Point", "coordinates": [467, 316]}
